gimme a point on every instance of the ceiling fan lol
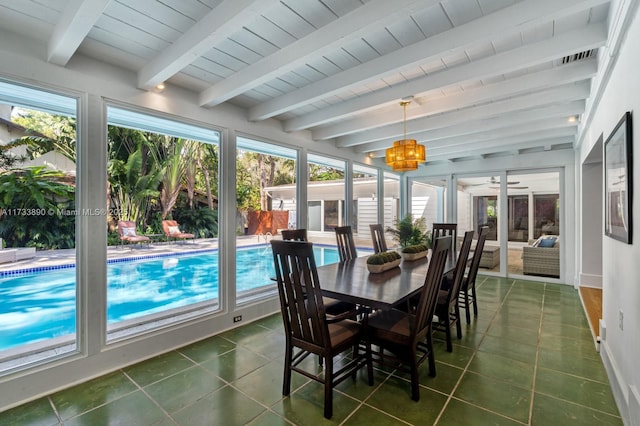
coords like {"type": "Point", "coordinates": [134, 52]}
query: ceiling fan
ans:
{"type": "Point", "coordinates": [494, 181]}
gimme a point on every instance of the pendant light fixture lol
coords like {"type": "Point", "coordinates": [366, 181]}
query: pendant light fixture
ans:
{"type": "Point", "coordinates": [405, 154]}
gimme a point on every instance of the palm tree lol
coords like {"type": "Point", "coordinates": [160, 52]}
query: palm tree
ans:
{"type": "Point", "coordinates": [173, 173]}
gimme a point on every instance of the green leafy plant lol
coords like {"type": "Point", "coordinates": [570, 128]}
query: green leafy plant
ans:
{"type": "Point", "coordinates": [382, 258]}
{"type": "Point", "coordinates": [409, 232]}
{"type": "Point", "coordinates": [417, 248]}
{"type": "Point", "coordinates": [36, 200]}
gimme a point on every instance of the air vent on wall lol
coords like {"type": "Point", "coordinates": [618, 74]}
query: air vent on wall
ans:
{"type": "Point", "coordinates": [577, 56]}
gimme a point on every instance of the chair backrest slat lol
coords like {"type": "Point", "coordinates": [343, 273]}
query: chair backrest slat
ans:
{"type": "Point", "coordinates": [461, 266]}
{"type": "Point", "coordinates": [429, 293]}
{"type": "Point", "coordinates": [377, 235]}
{"type": "Point", "coordinates": [294, 234]}
{"type": "Point", "coordinates": [299, 291]}
{"type": "Point", "coordinates": [444, 230]}
{"type": "Point", "coordinates": [477, 254]}
{"type": "Point", "coordinates": [346, 245]}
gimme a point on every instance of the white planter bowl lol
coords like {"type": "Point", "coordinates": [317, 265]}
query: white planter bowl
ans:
{"type": "Point", "coordinates": [414, 256]}
{"type": "Point", "coordinates": [376, 269]}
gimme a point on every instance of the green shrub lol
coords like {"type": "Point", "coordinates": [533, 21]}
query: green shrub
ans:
{"type": "Point", "coordinates": [409, 232]}
{"type": "Point", "coordinates": [417, 248]}
{"type": "Point", "coordinates": [381, 258]}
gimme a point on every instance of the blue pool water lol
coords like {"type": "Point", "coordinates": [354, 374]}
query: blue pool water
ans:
{"type": "Point", "coordinates": [41, 305]}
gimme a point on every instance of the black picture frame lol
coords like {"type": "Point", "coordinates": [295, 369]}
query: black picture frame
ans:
{"type": "Point", "coordinates": [618, 183]}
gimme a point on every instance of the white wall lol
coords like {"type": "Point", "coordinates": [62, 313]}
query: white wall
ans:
{"type": "Point", "coordinates": [592, 225]}
{"type": "Point", "coordinates": [620, 347]}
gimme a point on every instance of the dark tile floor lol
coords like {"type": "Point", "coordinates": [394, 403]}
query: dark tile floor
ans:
{"type": "Point", "coordinates": [528, 359]}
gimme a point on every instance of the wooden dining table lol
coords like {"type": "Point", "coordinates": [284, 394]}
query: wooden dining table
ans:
{"type": "Point", "coordinates": [351, 281]}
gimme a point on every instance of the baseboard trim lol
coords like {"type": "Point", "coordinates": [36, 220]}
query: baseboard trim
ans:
{"type": "Point", "coordinates": [619, 387]}
{"type": "Point", "coordinates": [591, 280]}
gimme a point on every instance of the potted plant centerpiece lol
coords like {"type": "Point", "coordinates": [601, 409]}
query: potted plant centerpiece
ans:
{"type": "Point", "coordinates": [381, 262]}
{"type": "Point", "coordinates": [415, 252]}
{"type": "Point", "coordinates": [413, 237]}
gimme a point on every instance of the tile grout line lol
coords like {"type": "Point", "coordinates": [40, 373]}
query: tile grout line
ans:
{"type": "Point", "coordinates": [535, 364]}
{"type": "Point", "coordinates": [475, 351]}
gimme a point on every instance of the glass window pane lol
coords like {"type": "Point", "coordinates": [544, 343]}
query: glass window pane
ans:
{"type": "Point", "coordinates": [479, 205]}
{"type": "Point", "coordinates": [163, 193]}
{"type": "Point", "coordinates": [266, 204]}
{"type": "Point", "coordinates": [428, 200]}
{"type": "Point", "coordinates": [38, 306]}
{"type": "Point", "coordinates": [391, 200]}
{"type": "Point", "coordinates": [365, 203]}
{"type": "Point", "coordinates": [534, 211]}
{"type": "Point", "coordinates": [326, 185]}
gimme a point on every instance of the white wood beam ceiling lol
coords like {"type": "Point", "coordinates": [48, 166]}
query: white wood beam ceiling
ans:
{"type": "Point", "coordinates": [373, 15]}
{"type": "Point", "coordinates": [77, 19]}
{"type": "Point", "coordinates": [590, 37]}
{"type": "Point", "coordinates": [522, 15]}
{"type": "Point", "coordinates": [516, 86]}
{"type": "Point", "coordinates": [212, 29]}
{"type": "Point", "coordinates": [478, 77]}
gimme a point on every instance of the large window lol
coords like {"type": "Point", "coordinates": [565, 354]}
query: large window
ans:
{"type": "Point", "coordinates": [478, 202]}
{"type": "Point", "coordinates": [365, 203]}
{"type": "Point", "coordinates": [534, 211]}
{"type": "Point", "coordinates": [391, 205]}
{"type": "Point", "coordinates": [325, 193]}
{"type": "Point", "coordinates": [266, 203]}
{"type": "Point", "coordinates": [428, 200]}
{"type": "Point", "coordinates": [38, 304]}
{"type": "Point", "coordinates": [163, 222]}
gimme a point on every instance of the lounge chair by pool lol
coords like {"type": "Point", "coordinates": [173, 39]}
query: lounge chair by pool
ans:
{"type": "Point", "coordinates": [128, 234]}
{"type": "Point", "coordinates": [172, 230]}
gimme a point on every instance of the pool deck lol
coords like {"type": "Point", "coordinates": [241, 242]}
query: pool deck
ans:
{"type": "Point", "coordinates": [51, 258]}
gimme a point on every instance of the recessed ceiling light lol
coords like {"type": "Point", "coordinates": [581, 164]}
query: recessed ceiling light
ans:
{"type": "Point", "coordinates": [160, 86]}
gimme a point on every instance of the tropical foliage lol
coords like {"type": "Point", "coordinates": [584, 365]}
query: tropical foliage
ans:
{"type": "Point", "coordinates": [408, 232]}
{"type": "Point", "coordinates": [38, 209]}
{"type": "Point", "coordinates": [150, 177]}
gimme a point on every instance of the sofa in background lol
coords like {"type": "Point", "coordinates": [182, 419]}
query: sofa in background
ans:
{"type": "Point", "coordinates": [541, 260]}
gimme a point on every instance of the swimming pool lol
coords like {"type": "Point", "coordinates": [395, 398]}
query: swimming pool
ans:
{"type": "Point", "coordinates": [40, 305]}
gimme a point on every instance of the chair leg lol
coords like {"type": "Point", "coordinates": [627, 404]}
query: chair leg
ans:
{"type": "Point", "coordinates": [473, 295]}
{"type": "Point", "coordinates": [286, 381]}
{"type": "Point", "coordinates": [467, 308]}
{"type": "Point", "coordinates": [447, 331]}
{"type": "Point", "coordinates": [328, 390]}
{"type": "Point", "coordinates": [458, 324]}
{"type": "Point", "coordinates": [369, 363]}
{"type": "Point", "coordinates": [431, 357]}
{"type": "Point", "coordinates": [415, 386]}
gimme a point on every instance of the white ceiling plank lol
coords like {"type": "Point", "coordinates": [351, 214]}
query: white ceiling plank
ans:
{"type": "Point", "coordinates": [545, 137]}
{"type": "Point", "coordinates": [387, 134]}
{"type": "Point", "coordinates": [467, 128]}
{"type": "Point", "coordinates": [491, 136]}
{"type": "Point", "coordinates": [212, 29]}
{"type": "Point", "coordinates": [75, 23]}
{"type": "Point", "coordinates": [530, 140]}
{"type": "Point", "coordinates": [522, 15]}
{"type": "Point", "coordinates": [561, 75]}
{"type": "Point", "coordinates": [351, 26]}
{"type": "Point", "coordinates": [591, 36]}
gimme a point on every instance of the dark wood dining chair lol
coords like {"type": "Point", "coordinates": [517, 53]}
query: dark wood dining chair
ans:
{"type": "Point", "coordinates": [444, 230]}
{"type": "Point", "coordinates": [404, 339]}
{"type": "Point", "coordinates": [332, 307]}
{"type": "Point", "coordinates": [467, 295]}
{"type": "Point", "coordinates": [377, 235]}
{"type": "Point", "coordinates": [294, 234]}
{"type": "Point", "coordinates": [346, 246]}
{"type": "Point", "coordinates": [308, 330]}
{"type": "Point", "coordinates": [447, 309]}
